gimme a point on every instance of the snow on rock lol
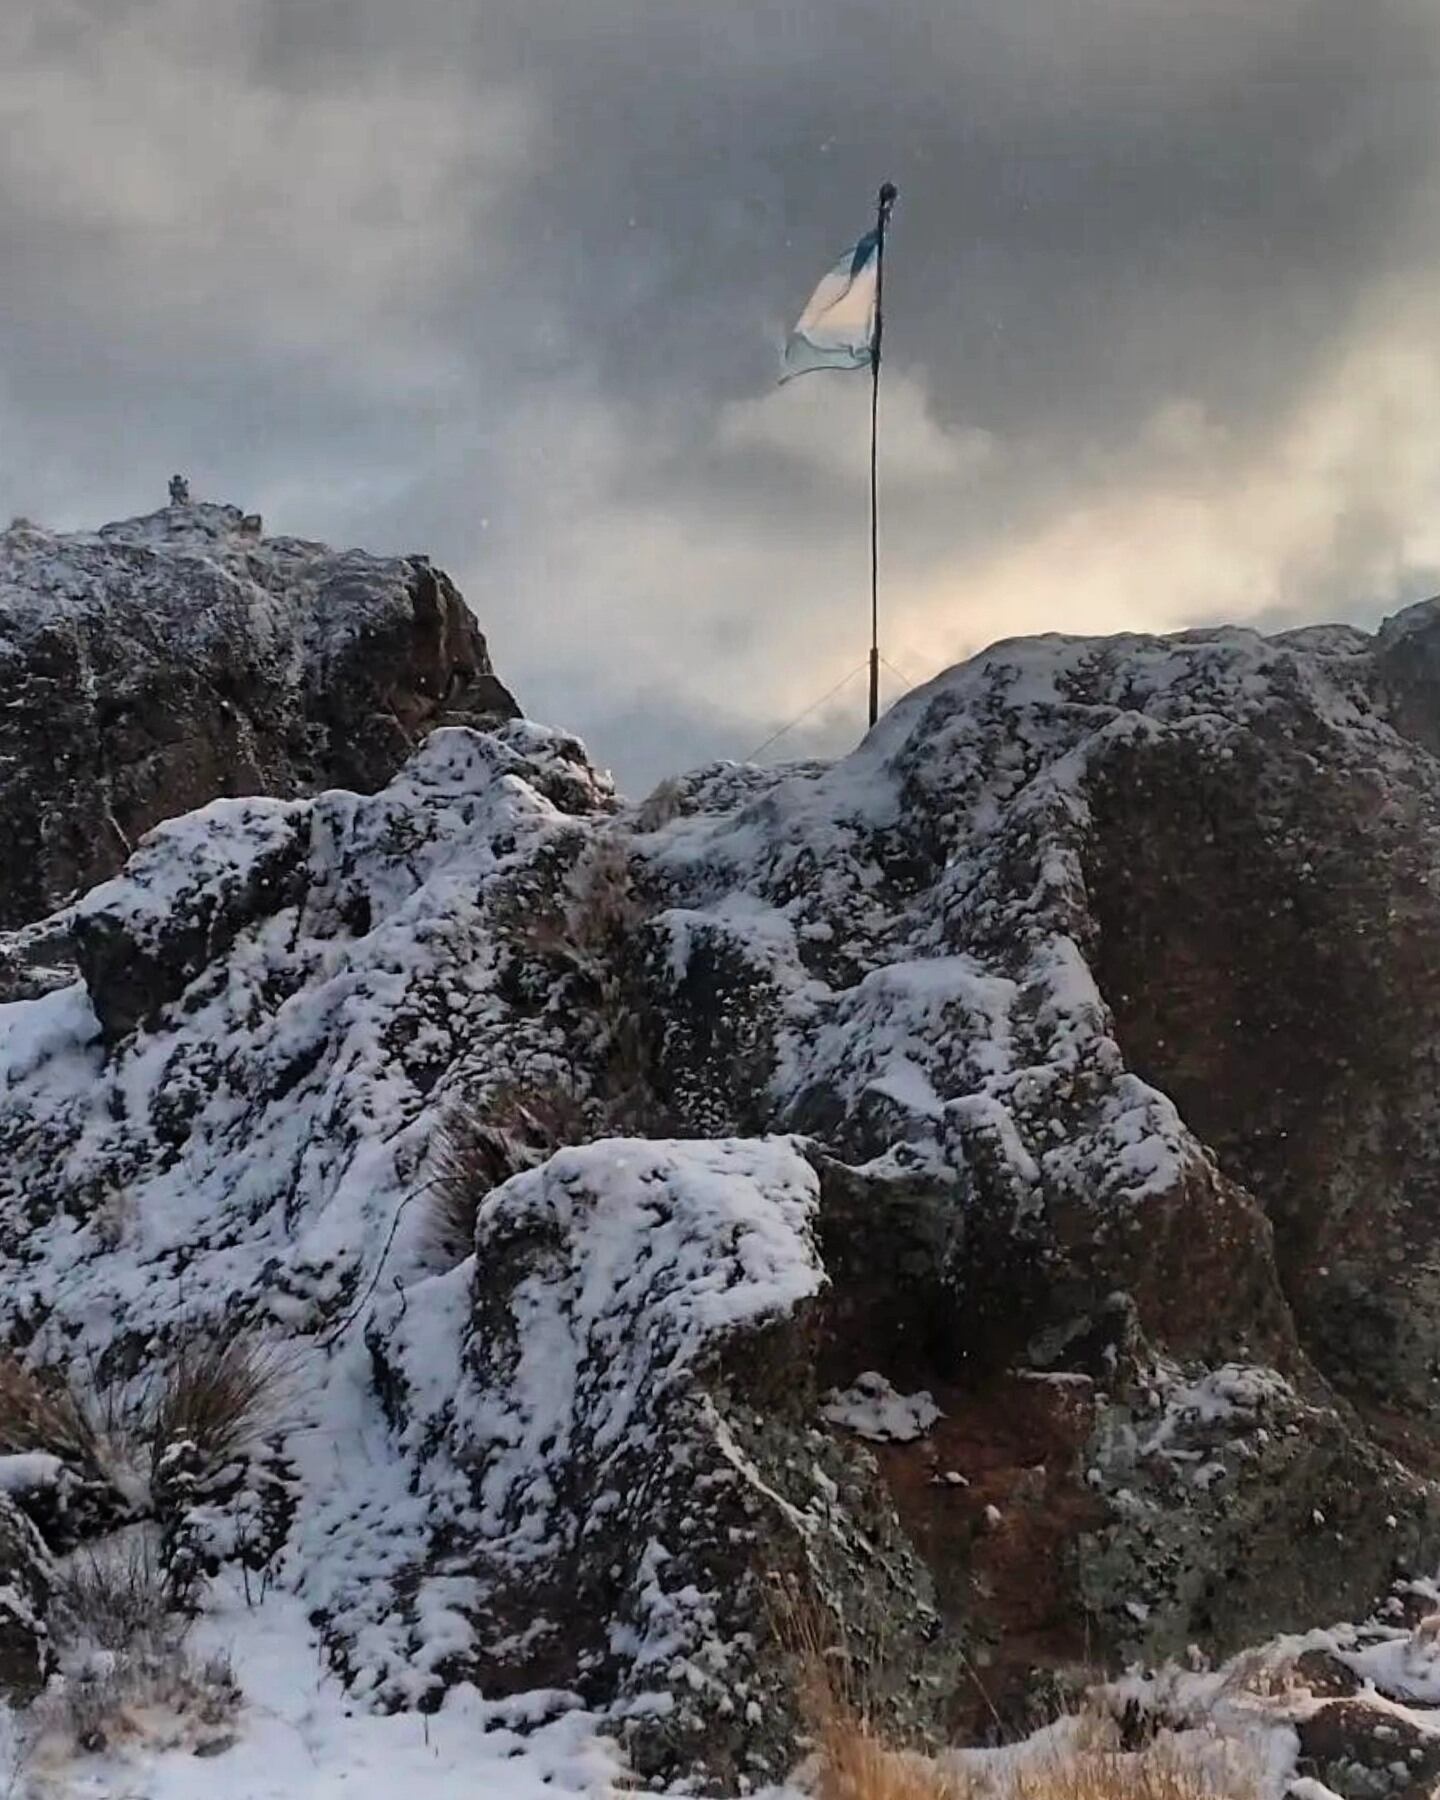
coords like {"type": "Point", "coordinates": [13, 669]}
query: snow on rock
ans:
{"type": "Point", "coordinates": [1344, 1711]}
{"type": "Point", "coordinates": [24, 1473]}
{"type": "Point", "coordinates": [1276, 1485]}
{"type": "Point", "coordinates": [872, 1409]}
{"type": "Point", "coordinates": [152, 665]}
{"type": "Point", "coordinates": [251, 1153]}
{"type": "Point", "coordinates": [185, 896]}
{"type": "Point", "coordinates": [627, 1457]}
{"type": "Point", "coordinates": [918, 935]}
{"type": "Point", "coordinates": [244, 1156]}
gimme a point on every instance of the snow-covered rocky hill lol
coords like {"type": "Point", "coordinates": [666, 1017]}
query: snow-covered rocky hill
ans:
{"type": "Point", "coordinates": [980, 1193]}
{"type": "Point", "coordinates": [147, 667]}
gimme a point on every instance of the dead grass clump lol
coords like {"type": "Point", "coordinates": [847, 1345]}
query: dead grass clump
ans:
{"type": "Point", "coordinates": [852, 1758]}
{"type": "Point", "coordinates": [479, 1146]}
{"type": "Point", "coordinates": [219, 1394]}
{"type": "Point", "coordinates": [587, 939]}
{"type": "Point", "coordinates": [165, 1700]}
{"type": "Point", "coordinates": [126, 1671]}
{"type": "Point", "coordinates": [470, 1158]}
{"type": "Point", "coordinates": [854, 1764]}
{"type": "Point", "coordinates": [113, 1597]}
{"type": "Point", "coordinates": [40, 1413]}
{"type": "Point", "coordinates": [216, 1393]}
{"type": "Point", "coordinates": [114, 1218]}
{"type": "Point", "coordinates": [1167, 1768]}
{"type": "Point", "coordinates": [663, 803]}
{"type": "Point", "coordinates": [1081, 1757]}
{"type": "Point", "coordinates": [597, 911]}
{"type": "Point", "coordinates": [1265, 1674]}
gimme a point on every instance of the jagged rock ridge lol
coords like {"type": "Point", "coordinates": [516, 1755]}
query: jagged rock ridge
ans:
{"type": "Point", "coordinates": [906, 1035]}
{"type": "Point", "coordinates": [159, 662]}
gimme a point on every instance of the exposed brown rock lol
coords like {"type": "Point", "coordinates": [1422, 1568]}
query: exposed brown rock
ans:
{"type": "Point", "coordinates": [1368, 1753]}
{"type": "Point", "coordinates": [1268, 936]}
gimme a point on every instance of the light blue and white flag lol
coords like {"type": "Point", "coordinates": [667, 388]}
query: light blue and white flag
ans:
{"type": "Point", "coordinates": [837, 329]}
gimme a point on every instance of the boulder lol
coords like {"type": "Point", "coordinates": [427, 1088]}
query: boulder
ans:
{"type": "Point", "coordinates": [642, 1329]}
{"type": "Point", "coordinates": [1235, 1510]}
{"type": "Point", "coordinates": [186, 895]}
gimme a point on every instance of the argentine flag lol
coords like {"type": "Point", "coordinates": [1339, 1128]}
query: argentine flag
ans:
{"type": "Point", "coordinates": [837, 329]}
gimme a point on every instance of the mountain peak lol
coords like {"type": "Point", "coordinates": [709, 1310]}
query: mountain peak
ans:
{"type": "Point", "coordinates": [161, 661]}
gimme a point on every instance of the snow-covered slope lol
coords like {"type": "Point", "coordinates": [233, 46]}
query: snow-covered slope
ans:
{"type": "Point", "coordinates": [869, 1068]}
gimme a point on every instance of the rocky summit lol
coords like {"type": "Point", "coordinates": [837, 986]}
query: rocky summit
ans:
{"type": "Point", "coordinates": [979, 1193]}
{"type": "Point", "coordinates": [157, 663]}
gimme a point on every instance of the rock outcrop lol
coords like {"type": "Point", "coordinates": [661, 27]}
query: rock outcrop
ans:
{"type": "Point", "coordinates": [1351, 1710]}
{"type": "Point", "coordinates": [148, 667]}
{"type": "Point", "coordinates": [25, 1584]}
{"type": "Point", "coordinates": [638, 1321]}
{"type": "Point", "coordinates": [1056, 1068]}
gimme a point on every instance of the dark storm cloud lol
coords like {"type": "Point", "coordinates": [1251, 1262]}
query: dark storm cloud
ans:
{"type": "Point", "coordinates": [504, 282]}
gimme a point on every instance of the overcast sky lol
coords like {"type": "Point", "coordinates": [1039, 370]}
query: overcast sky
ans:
{"type": "Point", "coordinates": [505, 281]}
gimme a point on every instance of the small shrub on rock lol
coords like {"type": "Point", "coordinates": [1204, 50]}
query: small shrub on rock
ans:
{"type": "Point", "coordinates": [214, 1403]}
{"type": "Point", "coordinates": [184, 1450]}
{"type": "Point", "coordinates": [596, 911]}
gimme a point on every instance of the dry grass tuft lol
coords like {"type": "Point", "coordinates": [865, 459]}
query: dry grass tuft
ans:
{"type": "Point", "coordinates": [480, 1146]}
{"type": "Point", "coordinates": [853, 1760]}
{"type": "Point", "coordinates": [1164, 1769]}
{"type": "Point", "coordinates": [470, 1158]}
{"type": "Point", "coordinates": [165, 1700]}
{"type": "Point", "coordinates": [126, 1671]}
{"type": "Point", "coordinates": [221, 1395]}
{"type": "Point", "coordinates": [586, 940]}
{"type": "Point", "coordinates": [854, 1764]}
{"type": "Point", "coordinates": [1082, 1757]}
{"type": "Point", "coordinates": [827, 1684]}
{"type": "Point", "coordinates": [598, 910]}
{"type": "Point", "coordinates": [113, 1597]}
{"type": "Point", "coordinates": [39, 1413]}
{"type": "Point", "coordinates": [662, 804]}
{"type": "Point", "coordinates": [1264, 1674]}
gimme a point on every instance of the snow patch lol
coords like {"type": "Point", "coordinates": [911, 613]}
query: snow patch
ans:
{"type": "Point", "coordinates": [872, 1409]}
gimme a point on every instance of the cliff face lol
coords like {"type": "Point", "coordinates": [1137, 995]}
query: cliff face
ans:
{"type": "Point", "coordinates": [155, 664]}
{"type": "Point", "coordinates": [982, 1186]}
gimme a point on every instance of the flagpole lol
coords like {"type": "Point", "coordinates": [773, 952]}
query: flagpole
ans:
{"type": "Point", "coordinates": [882, 219]}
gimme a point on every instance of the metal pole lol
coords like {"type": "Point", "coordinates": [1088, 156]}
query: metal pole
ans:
{"type": "Point", "coordinates": [882, 219]}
